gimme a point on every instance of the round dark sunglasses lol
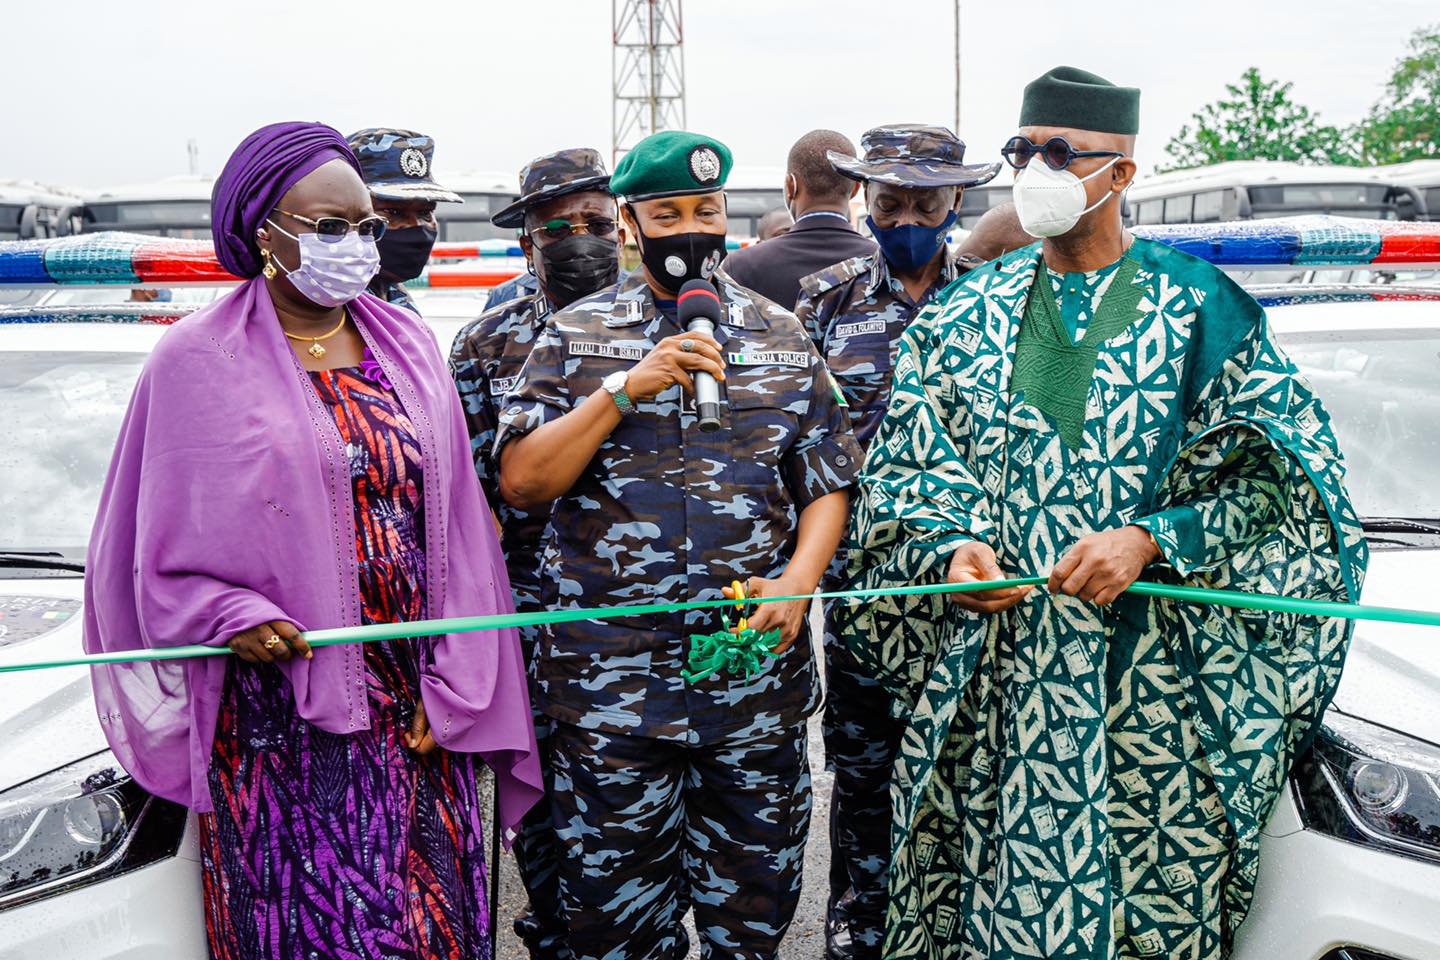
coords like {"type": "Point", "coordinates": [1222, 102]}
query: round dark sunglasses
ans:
{"type": "Point", "coordinates": [1057, 152]}
{"type": "Point", "coordinates": [558, 229]}
{"type": "Point", "coordinates": [333, 229]}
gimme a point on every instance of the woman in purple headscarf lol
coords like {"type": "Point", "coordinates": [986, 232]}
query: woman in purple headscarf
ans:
{"type": "Point", "coordinates": [295, 457]}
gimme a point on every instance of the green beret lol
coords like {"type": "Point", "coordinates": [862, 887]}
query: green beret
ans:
{"type": "Point", "coordinates": [1078, 99]}
{"type": "Point", "coordinates": [671, 163]}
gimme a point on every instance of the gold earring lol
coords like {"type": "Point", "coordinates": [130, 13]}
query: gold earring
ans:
{"type": "Point", "coordinates": [269, 268]}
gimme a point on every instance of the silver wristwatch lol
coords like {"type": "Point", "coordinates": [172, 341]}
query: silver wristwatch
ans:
{"type": "Point", "coordinates": [615, 386]}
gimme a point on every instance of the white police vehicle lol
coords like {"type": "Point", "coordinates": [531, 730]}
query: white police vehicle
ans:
{"type": "Point", "coordinates": [92, 867]}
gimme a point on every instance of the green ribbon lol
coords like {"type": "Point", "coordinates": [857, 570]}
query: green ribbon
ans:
{"type": "Point", "coordinates": [741, 653]}
{"type": "Point", "coordinates": [1233, 599]}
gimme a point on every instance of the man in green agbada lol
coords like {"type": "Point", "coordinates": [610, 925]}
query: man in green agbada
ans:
{"type": "Point", "coordinates": [1086, 772]}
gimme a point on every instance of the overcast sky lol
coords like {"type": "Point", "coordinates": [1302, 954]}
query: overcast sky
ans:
{"type": "Point", "coordinates": [101, 92]}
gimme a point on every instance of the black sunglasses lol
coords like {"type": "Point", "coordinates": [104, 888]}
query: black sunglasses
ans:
{"type": "Point", "coordinates": [558, 229]}
{"type": "Point", "coordinates": [1056, 151]}
{"type": "Point", "coordinates": [333, 229]}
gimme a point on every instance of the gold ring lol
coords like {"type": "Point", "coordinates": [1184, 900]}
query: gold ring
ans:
{"type": "Point", "coordinates": [273, 642]}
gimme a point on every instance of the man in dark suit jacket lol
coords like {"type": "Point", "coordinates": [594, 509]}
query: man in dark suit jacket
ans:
{"type": "Point", "coordinates": [822, 235]}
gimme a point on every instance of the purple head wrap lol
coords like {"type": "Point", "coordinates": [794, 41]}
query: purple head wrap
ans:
{"type": "Point", "coordinates": [266, 164]}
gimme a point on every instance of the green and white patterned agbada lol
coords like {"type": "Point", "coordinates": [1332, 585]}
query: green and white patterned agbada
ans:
{"type": "Point", "coordinates": [1077, 781]}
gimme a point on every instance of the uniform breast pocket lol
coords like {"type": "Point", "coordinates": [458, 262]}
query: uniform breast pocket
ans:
{"type": "Point", "coordinates": [763, 428]}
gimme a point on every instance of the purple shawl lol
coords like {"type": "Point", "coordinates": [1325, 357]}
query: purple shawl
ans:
{"type": "Point", "coordinates": [228, 504]}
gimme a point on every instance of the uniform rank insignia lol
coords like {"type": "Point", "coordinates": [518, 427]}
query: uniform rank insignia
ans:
{"type": "Point", "coordinates": [502, 385]}
{"type": "Point", "coordinates": [782, 358]}
{"type": "Point", "coordinates": [860, 328]}
{"type": "Point", "coordinates": [615, 351]}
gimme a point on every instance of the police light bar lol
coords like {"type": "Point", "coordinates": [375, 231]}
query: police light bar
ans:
{"type": "Point", "coordinates": [123, 259]}
{"type": "Point", "coordinates": [1308, 241]}
{"type": "Point", "coordinates": [138, 260]}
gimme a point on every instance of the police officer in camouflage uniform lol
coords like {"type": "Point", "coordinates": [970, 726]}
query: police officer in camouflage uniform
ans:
{"type": "Point", "coordinates": [571, 240]}
{"type": "Point", "coordinates": [855, 313]}
{"type": "Point", "coordinates": [396, 167]}
{"type": "Point", "coordinates": [668, 793]}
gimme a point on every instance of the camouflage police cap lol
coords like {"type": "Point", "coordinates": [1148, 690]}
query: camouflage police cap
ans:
{"type": "Point", "coordinates": [555, 175]}
{"type": "Point", "coordinates": [672, 163]}
{"type": "Point", "coordinates": [913, 155]}
{"type": "Point", "coordinates": [396, 165]}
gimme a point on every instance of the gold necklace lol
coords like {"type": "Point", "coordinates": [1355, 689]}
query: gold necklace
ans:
{"type": "Point", "coordinates": [315, 350]}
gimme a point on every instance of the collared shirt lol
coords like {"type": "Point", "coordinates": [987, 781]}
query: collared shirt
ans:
{"type": "Point", "coordinates": [854, 313]}
{"type": "Point", "coordinates": [485, 361]}
{"type": "Point", "coordinates": [665, 513]}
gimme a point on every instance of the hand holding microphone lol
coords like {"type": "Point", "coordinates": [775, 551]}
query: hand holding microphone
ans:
{"type": "Point", "coordinates": [699, 312]}
{"type": "Point", "coordinates": [687, 359]}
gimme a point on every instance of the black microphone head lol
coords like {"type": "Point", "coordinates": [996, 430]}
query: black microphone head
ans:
{"type": "Point", "coordinates": [698, 300]}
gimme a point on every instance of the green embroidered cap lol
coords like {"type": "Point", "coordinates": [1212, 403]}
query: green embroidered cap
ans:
{"type": "Point", "coordinates": [672, 163]}
{"type": "Point", "coordinates": [1078, 99]}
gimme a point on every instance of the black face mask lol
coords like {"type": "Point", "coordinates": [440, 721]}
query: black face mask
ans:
{"type": "Point", "coordinates": [404, 252]}
{"type": "Point", "coordinates": [576, 267]}
{"type": "Point", "coordinates": [681, 257]}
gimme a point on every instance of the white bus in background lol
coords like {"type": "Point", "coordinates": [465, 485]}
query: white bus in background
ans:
{"type": "Point", "coordinates": [172, 207]}
{"type": "Point", "coordinates": [750, 193]}
{"type": "Point", "coordinates": [485, 194]}
{"type": "Point", "coordinates": [1424, 177]}
{"type": "Point", "coordinates": [33, 211]}
{"type": "Point", "coordinates": [1260, 189]}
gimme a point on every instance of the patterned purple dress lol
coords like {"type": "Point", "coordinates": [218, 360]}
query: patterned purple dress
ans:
{"type": "Point", "coordinates": [348, 846]}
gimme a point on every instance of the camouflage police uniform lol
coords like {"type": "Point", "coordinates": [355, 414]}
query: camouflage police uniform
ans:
{"type": "Point", "coordinates": [855, 312]}
{"type": "Point", "coordinates": [486, 360]}
{"type": "Point", "coordinates": [663, 788]}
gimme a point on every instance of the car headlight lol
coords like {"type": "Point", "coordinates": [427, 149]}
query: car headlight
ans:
{"type": "Point", "coordinates": [1368, 784]}
{"type": "Point", "coordinates": [78, 825]}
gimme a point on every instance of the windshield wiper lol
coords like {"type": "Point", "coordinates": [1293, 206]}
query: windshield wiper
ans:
{"type": "Point", "coordinates": [1398, 525]}
{"type": "Point", "coordinates": [41, 561]}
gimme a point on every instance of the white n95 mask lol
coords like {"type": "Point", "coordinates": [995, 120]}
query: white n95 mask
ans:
{"type": "Point", "coordinates": [1050, 202]}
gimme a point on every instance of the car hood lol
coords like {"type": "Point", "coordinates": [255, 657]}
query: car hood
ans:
{"type": "Point", "coordinates": [47, 717]}
{"type": "Point", "coordinates": [1392, 673]}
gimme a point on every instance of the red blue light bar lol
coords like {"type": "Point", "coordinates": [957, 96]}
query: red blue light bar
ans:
{"type": "Point", "coordinates": [1311, 241]}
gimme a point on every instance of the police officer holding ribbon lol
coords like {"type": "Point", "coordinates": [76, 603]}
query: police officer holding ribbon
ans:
{"type": "Point", "coordinates": [572, 240]}
{"type": "Point", "coordinates": [396, 168]}
{"type": "Point", "coordinates": [855, 312]}
{"type": "Point", "coordinates": [667, 792]}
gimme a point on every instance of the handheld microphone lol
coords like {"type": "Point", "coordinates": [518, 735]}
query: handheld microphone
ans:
{"type": "Point", "coordinates": [699, 311]}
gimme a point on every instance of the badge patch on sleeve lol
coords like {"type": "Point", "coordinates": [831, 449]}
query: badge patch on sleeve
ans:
{"type": "Point", "coordinates": [769, 358]}
{"type": "Point", "coordinates": [859, 328]}
{"type": "Point", "coordinates": [502, 385]}
{"type": "Point", "coordinates": [615, 351]}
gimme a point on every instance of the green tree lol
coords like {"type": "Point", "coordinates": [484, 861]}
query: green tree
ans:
{"type": "Point", "coordinates": [1404, 124]}
{"type": "Point", "coordinates": [1257, 121]}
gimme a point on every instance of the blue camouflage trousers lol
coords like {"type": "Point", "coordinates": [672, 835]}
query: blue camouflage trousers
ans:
{"type": "Point", "coordinates": [542, 927]}
{"type": "Point", "coordinates": [861, 743]}
{"type": "Point", "coordinates": [649, 827]}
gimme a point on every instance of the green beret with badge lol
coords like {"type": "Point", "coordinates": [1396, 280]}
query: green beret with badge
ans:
{"type": "Point", "coordinates": [672, 163]}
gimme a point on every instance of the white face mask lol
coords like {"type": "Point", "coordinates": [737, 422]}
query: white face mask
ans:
{"type": "Point", "coordinates": [332, 274]}
{"type": "Point", "coordinates": [1050, 202]}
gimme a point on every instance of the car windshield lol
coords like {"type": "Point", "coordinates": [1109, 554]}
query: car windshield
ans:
{"type": "Point", "coordinates": [62, 413]}
{"type": "Point", "coordinates": [1382, 389]}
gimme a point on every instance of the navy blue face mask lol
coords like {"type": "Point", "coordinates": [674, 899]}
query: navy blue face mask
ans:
{"type": "Point", "coordinates": [909, 247]}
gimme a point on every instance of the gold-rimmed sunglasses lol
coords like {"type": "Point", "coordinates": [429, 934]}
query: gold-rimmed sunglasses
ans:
{"type": "Point", "coordinates": [333, 229]}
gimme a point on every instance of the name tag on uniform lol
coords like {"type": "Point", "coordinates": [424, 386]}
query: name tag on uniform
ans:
{"type": "Point", "coordinates": [781, 358]}
{"type": "Point", "coordinates": [860, 328]}
{"type": "Point", "coordinates": [615, 351]}
{"type": "Point", "coordinates": [502, 385]}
